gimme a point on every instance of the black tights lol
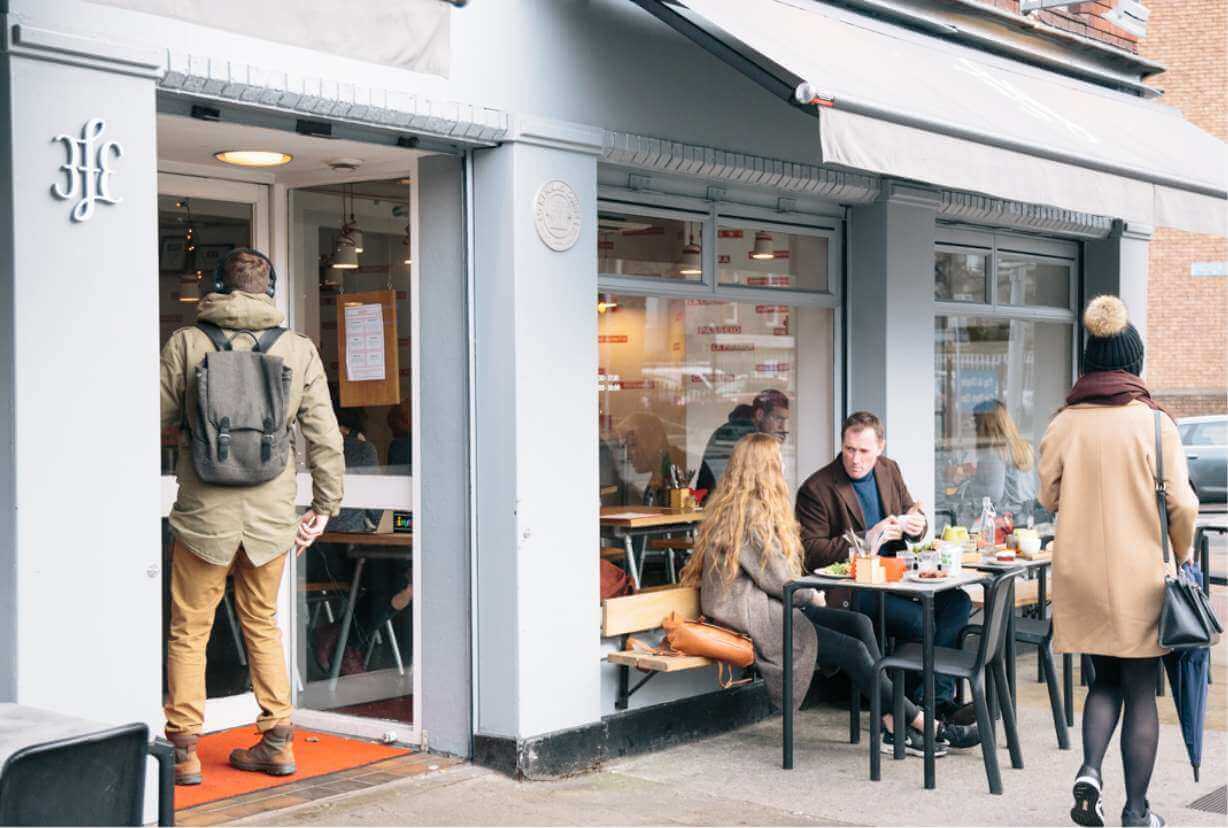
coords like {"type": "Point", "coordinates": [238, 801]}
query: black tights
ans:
{"type": "Point", "coordinates": [1128, 682]}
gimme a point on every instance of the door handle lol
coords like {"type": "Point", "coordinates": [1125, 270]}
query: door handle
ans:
{"type": "Point", "coordinates": [1191, 457]}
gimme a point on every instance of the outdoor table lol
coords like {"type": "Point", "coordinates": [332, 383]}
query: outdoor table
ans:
{"type": "Point", "coordinates": [628, 523]}
{"type": "Point", "coordinates": [393, 545]}
{"type": "Point", "coordinates": [1041, 566]}
{"type": "Point", "coordinates": [925, 591]}
{"type": "Point", "coordinates": [22, 726]}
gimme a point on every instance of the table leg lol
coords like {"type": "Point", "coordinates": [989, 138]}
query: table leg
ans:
{"type": "Point", "coordinates": [927, 665]}
{"type": "Point", "coordinates": [347, 619]}
{"type": "Point", "coordinates": [788, 677]}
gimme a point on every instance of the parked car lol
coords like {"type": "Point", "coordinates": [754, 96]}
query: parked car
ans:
{"type": "Point", "coordinates": [1205, 440]}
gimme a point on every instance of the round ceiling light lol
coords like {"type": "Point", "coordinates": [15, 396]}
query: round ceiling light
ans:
{"type": "Point", "coordinates": [253, 158]}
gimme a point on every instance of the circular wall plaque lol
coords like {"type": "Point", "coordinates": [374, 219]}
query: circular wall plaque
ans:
{"type": "Point", "coordinates": [557, 215]}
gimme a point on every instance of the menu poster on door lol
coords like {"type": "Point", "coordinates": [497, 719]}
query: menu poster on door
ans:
{"type": "Point", "coordinates": [370, 369]}
{"type": "Point", "coordinates": [364, 340]}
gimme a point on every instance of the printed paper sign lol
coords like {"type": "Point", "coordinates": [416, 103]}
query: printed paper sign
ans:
{"type": "Point", "coordinates": [364, 343]}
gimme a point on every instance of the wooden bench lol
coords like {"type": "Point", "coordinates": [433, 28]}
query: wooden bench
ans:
{"type": "Point", "coordinates": [623, 616]}
{"type": "Point", "coordinates": [665, 544]}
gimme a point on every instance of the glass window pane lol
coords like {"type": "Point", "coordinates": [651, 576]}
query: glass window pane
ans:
{"type": "Point", "coordinates": [1213, 433]}
{"type": "Point", "coordinates": [959, 277]}
{"type": "Point", "coordinates": [1024, 281]}
{"type": "Point", "coordinates": [677, 379]}
{"type": "Point", "coordinates": [660, 248]}
{"type": "Point", "coordinates": [997, 384]}
{"type": "Point", "coordinates": [755, 257]}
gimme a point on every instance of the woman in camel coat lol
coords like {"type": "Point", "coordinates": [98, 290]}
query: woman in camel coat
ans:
{"type": "Point", "coordinates": [1097, 465]}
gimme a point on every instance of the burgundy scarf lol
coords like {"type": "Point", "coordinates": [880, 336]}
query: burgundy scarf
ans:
{"type": "Point", "coordinates": [1112, 388]}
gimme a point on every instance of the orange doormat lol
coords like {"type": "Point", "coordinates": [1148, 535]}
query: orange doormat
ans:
{"type": "Point", "coordinates": [315, 754]}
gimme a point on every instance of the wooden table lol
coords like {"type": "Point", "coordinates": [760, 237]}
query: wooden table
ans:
{"type": "Point", "coordinates": [925, 591]}
{"type": "Point", "coordinates": [395, 545]}
{"type": "Point", "coordinates": [628, 523]}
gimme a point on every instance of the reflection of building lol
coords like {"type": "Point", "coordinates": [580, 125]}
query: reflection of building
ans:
{"type": "Point", "coordinates": [704, 203]}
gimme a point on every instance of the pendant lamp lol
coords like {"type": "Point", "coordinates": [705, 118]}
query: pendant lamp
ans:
{"type": "Point", "coordinates": [355, 233]}
{"type": "Point", "coordinates": [189, 287]}
{"type": "Point", "coordinates": [763, 246]}
{"type": "Point", "coordinates": [690, 263]}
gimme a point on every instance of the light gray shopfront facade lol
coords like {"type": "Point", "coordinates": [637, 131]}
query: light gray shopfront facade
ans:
{"type": "Point", "coordinates": [524, 146]}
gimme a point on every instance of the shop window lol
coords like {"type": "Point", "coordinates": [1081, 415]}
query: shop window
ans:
{"type": "Point", "coordinates": [673, 372]}
{"type": "Point", "coordinates": [768, 258]}
{"type": "Point", "coordinates": [631, 244]}
{"type": "Point", "coordinates": [960, 277]}
{"type": "Point", "coordinates": [997, 383]}
{"type": "Point", "coordinates": [1023, 280]}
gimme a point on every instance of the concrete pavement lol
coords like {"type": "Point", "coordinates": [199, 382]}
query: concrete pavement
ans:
{"type": "Point", "coordinates": [736, 779]}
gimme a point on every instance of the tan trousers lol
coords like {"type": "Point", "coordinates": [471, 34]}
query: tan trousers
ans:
{"type": "Point", "coordinates": [197, 588]}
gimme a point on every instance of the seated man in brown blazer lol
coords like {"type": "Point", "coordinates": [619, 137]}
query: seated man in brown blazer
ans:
{"type": "Point", "coordinates": [863, 490]}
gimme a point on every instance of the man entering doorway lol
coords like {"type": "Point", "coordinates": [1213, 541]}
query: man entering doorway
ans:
{"type": "Point", "coordinates": [241, 530]}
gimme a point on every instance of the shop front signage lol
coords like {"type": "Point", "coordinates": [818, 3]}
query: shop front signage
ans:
{"type": "Point", "coordinates": [87, 172]}
{"type": "Point", "coordinates": [556, 212]}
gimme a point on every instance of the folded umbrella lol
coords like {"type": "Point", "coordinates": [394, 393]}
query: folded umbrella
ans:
{"type": "Point", "coordinates": [1188, 673]}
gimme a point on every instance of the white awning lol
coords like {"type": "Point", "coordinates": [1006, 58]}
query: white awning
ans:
{"type": "Point", "coordinates": [900, 103]}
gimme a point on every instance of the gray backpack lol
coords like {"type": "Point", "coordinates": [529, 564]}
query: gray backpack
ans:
{"type": "Point", "coordinates": [241, 431]}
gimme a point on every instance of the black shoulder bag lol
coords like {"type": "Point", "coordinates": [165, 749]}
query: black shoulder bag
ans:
{"type": "Point", "coordinates": [1187, 621]}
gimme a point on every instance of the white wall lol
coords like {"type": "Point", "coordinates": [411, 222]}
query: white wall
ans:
{"type": "Point", "coordinates": [84, 387]}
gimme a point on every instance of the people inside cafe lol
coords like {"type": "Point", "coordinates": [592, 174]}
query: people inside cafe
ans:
{"type": "Point", "coordinates": [767, 414]}
{"type": "Point", "coordinates": [1005, 464]}
{"type": "Point", "coordinates": [863, 490]}
{"type": "Point", "coordinates": [400, 449]}
{"type": "Point", "coordinates": [643, 437]}
{"type": "Point", "coordinates": [748, 548]}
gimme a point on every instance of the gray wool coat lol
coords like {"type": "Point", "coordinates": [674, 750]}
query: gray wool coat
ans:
{"type": "Point", "coordinates": [751, 604]}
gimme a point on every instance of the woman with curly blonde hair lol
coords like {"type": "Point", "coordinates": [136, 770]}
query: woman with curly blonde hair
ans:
{"type": "Point", "coordinates": [749, 546]}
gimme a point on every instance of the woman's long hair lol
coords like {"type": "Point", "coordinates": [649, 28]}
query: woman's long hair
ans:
{"type": "Point", "coordinates": [995, 429]}
{"type": "Point", "coordinates": [751, 501]}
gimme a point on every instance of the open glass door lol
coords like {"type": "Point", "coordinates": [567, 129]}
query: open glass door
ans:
{"type": "Point", "coordinates": [351, 254]}
{"type": "Point", "coordinates": [199, 221]}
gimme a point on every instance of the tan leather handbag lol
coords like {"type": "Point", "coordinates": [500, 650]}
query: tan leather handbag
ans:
{"type": "Point", "coordinates": [699, 638]}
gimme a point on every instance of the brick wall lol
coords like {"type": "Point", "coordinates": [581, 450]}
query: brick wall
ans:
{"type": "Point", "coordinates": [1083, 19]}
{"type": "Point", "coordinates": [1187, 316]}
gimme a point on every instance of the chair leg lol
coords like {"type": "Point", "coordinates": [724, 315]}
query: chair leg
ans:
{"type": "Point", "coordinates": [1040, 665]}
{"type": "Point", "coordinates": [989, 747]}
{"type": "Point", "coordinates": [1160, 682]}
{"type": "Point", "coordinates": [876, 729]}
{"type": "Point", "coordinates": [396, 648]}
{"type": "Point", "coordinates": [855, 716]}
{"type": "Point", "coordinates": [1068, 687]}
{"type": "Point", "coordinates": [1008, 714]}
{"type": "Point", "coordinates": [897, 715]}
{"type": "Point", "coordinates": [1049, 669]}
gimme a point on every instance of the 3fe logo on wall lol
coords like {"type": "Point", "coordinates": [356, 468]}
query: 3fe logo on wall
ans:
{"type": "Point", "coordinates": [88, 169]}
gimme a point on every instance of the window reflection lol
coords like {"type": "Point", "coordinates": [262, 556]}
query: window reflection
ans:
{"type": "Point", "coordinates": [998, 382]}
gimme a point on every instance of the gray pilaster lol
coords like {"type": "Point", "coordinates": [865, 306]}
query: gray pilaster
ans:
{"type": "Point", "coordinates": [891, 324]}
{"type": "Point", "coordinates": [536, 458]}
{"type": "Point", "coordinates": [1118, 265]}
{"type": "Point", "coordinates": [442, 530]}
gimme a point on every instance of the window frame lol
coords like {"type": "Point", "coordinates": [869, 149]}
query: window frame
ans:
{"type": "Point", "coordinates": [715, 214]}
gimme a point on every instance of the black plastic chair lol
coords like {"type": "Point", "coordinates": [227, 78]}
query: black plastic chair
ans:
{"type": "Point", "coordinates": [96, 779]}
{"type": "Point", "coordinates": [1040, 634]}
{"type": "Point", "coordinates": [986, 665]}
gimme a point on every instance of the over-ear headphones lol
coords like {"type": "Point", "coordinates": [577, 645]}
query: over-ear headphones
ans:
{"type": "Point", "coordinates": [219, 272]}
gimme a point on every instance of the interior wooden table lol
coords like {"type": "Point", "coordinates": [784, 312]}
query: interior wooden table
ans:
{"type": "Point", "coordinates": [627, 523]}
{"type": "Point", "coordinates": [396, 545]}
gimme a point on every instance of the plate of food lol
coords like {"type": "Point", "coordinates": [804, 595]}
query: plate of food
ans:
{"type": "Point", "coordinates": [840, 569]}
{"type": "Point", "coordinates": [929, 576]}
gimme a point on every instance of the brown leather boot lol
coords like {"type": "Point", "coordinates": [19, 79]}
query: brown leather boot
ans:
{"type": "Point", "coordinates": [273, 754]}
{"type": "Point", "coordinates": [187, 763]}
